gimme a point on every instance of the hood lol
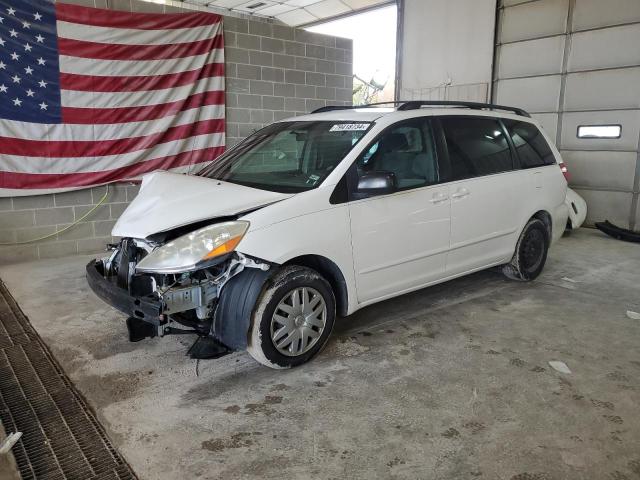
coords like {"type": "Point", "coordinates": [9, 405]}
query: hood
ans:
{"type": "Point", "coordinates": [170, 200]}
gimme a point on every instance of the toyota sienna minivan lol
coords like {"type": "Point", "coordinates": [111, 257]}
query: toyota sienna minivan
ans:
{"type": "Point", "coordinates": [322, 214]}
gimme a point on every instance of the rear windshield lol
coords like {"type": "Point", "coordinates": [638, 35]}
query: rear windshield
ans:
{"type": "Point", "coordinates": [288, 157]}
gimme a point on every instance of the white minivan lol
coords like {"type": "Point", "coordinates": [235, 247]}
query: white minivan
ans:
{"type": "Point", "coordinates": [322, 214]}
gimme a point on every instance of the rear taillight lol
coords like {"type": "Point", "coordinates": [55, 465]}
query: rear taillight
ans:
{"type": "Point", "coordinates": [565, 171]}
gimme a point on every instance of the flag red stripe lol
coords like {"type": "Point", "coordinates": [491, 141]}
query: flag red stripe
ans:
{"type": "Point", "coordinates": [139, 21]}
{"type": "Point", "coordinates": [98, 148]}
{"type": "Point", "coordinates": [62, 180]}
{"type": "Point", "coordinates": [92, 83]}
{"type": "Point", "coordinates": [94, 116]}
{"type": "Point", "coordinates": [111, 51]}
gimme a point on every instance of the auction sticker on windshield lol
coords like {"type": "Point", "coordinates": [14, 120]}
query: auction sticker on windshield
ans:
{"type": "Point", "coordinates": [349, 127]}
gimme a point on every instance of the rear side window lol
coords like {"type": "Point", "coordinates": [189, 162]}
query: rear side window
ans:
{"type": "Point", "coordinates": [477, 146]}
{"type": "Point", "coordinates": [531, 147]}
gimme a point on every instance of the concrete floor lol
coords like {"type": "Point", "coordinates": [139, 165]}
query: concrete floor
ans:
{"type": "Point", "coordinates": [446, 383]}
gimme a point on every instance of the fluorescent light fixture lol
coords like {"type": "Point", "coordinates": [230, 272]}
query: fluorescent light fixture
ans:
{"type": "Point", "coordinates": [599, 131]}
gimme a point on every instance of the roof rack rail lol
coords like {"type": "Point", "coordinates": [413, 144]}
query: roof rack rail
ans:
{"type": "Point", "coordinates": [415, 104]}
{"type": "Point", "coordinates": [404, 105]}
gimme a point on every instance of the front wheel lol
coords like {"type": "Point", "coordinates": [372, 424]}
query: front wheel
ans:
{"type": "Point", "coordinates": [292, 319]}
{"type": "Point", "coordinates": [531, 252]}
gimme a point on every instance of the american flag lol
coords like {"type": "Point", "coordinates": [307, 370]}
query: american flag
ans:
{"type": "Point", "coordinates": [90, 96]}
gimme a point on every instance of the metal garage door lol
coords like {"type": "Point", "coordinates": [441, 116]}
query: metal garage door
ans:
{"type": "Point", "coordinates": [575, 63]}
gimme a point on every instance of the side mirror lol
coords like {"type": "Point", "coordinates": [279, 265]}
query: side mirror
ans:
{"type": "Point", "coordinates": [376, 183]}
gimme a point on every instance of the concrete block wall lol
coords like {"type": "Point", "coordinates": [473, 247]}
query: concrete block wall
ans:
{"type": "Point", "coordinates": [272, 72]}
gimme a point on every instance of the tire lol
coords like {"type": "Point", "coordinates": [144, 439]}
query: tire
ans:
{"type": "Point", "coordinates": [531, 252]}
{"type": "Point", "coordinates": [277, 317]}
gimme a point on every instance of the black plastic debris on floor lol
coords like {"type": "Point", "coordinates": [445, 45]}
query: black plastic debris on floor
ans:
{"type": "Point", "coordinates": [62, 439]}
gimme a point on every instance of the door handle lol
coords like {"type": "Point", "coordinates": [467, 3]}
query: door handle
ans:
{"type": "Point", "coordinates": [463, 192]}
{"type": "Point", "coordinates": [439, 198]}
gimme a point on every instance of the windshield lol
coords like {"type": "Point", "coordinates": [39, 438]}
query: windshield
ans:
{"type": "Point", "coordinates": [288, 157]}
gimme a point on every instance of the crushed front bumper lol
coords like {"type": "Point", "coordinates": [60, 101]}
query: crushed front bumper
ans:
{"type": "Point", "coordinates": [147, 308]}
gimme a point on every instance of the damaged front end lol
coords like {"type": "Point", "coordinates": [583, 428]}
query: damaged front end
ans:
{"type": "Point", "coordinates": [174, 287]}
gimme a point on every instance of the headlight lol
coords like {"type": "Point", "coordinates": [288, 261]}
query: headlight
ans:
{"type": "Point", "coordinates": [192, 251]}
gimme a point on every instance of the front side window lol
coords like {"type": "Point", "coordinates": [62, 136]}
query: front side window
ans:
{"type": "Point", "coordinates": [531, 146]}
{"type": "Point", "coordinates": [288, 157]}
{"type": "Point", "coordinates": [407, 150]}
{"type": "Point", "coordinates": [477, 146]}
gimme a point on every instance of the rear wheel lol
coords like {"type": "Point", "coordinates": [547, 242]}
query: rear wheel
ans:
{"type": "Point", "coordinates": [531, 252]}
{"type": "Point", "coordinates": [293, 318]}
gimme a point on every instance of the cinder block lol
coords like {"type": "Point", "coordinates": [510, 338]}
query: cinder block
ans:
{"type": "Point", "coordinates": [295, 104]}
{"type": "Point", "coordinates": [30, 202]}
{"type": "Point", "coordinates": [10, 219]}
{"type": "Point", "coordinates": [57, 249]}
{"type": "Point", "coordinates": [100, 213]}
{"type": "Point", "coordinates": [326, 93]}
{"type": "Point", "coordinates": [6, 203]}
{"type": "Point", "coordinates": [261, 88]}
{"type": "Point", "coordinates": [313, 104]}
{"type": "Point", "coordinates": [294, 76]}
{"type": "Point", "coordinates": [18, 253]}
{"type": "Point", "coordinates": [273, 45]}
{"type": "Point", "coordinates": [238, 115]}
{"type": "Point", "coordinates": [78, 231]}
{"type": "Point", "coordinates": [237, 85]}
{"type": "Point", "coordinates": [306, 64]}
{"type": "Point", "coordinates": [325, 66]}
{"type": "Point", "coordinates": [335, 81]}
{"type": "Point", "coordinates": [294, 48]}
{"type": "Point", "coordinates": [348, 56]}
{"type": "Point", "coordinates": [316, 79]}
{"type": "Point", "coordinates": [305, 36]}
{"type": "Point", "coordinates": [251, 72]}
{"type": "Point", "coordinates": [344, 94]}
{"type": "Point", "coordinates": [272, 74]}
{"type": "Point", "coordinates": [7, 236]}
{"type": "Point", "coordinates": [335, 54]}
{"type": "Point", "coordinates": [234, 24]}
{"type": "Point", "coordinates": [261, 116]}
{"type": "Point", "coordinates": [236, 55]}
{"type": "Point", "coordinates": [103, 228]}
{"type": "Point", "coordinates": [344, 68]}
{"type": "Point", "coordinates": [282, 32]}
{"type": "Point", "coordinates": [75, 197]}
{"type": "Point", "coordinates": [147, 7]}
{"type": "Point", "coordinates": [316, 51]}
{"type": "Point", "coordinates": [246, 129]}
{"type": "Point", "coordinates": [273, 103]}
{"type": "Point", "coordinates": [277, 116]}
{"type": "Point", "coordinates": [132, 191]}
{"type": "Point", "coordinates": [260, 28]}
{"type": "Point", "coordinates": [264, 59]}
{"type": "Point", "coordinates": [305, 91]}
{"type": "Point", "coordinates": [230, 38]}
{"type": "Point", "coordinates": [36, 233]}
{"type": "Point", "coordinates": [249, 42]}
{"type": "Point", "coordinates": [345, 43]}
{"type": "Point", "coordinates": [232, 131]}
{"type": "Point", "coordinates": [117, 209]}
{"type": "Point", "coordinates": [93, 245]}
{"type": "Point", "coordinates": [231, 99]}
{"type": "Point", "coordinates": [284, 89]}
{"type": "Point", "coordinates": [54, 216]}
{"type": "Point", "coordinates": [249, 101]}
{"type": "Point", "coordinates": [231, 70]}
{"type": "Point", "coordinates": [284, 61]}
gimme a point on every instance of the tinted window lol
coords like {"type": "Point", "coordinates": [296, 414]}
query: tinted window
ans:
{"type": "Point", "coordinates": [533, 150]}
{"type": "Point", "coordinates": [477, 146]}
{"type": "Point", "coordinates": [408, 151]}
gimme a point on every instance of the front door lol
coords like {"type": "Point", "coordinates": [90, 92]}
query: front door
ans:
{"type": "Point", "coordinates": [400, 240]}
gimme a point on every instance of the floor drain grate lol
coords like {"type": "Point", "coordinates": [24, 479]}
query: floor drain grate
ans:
{"type": "Point", "coordinates": [61, 438]}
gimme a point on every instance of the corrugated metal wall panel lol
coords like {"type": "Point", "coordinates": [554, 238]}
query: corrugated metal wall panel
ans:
{"type": "Point", "coordinates": [534, 20]}
{"type": "Point", "coordinates": [602, 90]}
{"type": "Point", "coordinates": [533, 57]}
{"type": "Point", "coordinates": [543, 93]}
{"type": "Point", "coordinates": [601, 170]}
{"type": "Point", "coordinates": [598, 64]}
{"type": "Point", "coordinates": [629, 119]}
{"type": "Point", "coordinates": [604, 13]}
{"type": "Point", "coordinates": [606, 48]}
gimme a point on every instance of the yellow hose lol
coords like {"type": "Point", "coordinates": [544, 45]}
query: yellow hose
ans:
{"type": "Point", "coordinates": [104, 197]}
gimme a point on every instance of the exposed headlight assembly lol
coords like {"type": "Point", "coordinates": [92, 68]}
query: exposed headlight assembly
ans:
{"type": "Point", "coordinates": [194, 250]}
